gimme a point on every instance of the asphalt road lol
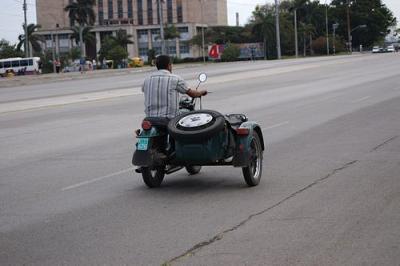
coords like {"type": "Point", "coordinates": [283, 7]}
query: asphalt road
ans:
{"type": "Point", "coordinates": [329, 195]}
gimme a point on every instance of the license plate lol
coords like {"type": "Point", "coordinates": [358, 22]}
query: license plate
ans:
{"type": "Point", "coordinates": [143, 144]}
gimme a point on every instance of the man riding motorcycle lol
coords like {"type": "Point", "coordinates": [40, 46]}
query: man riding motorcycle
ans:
{"type": "Point", "coordinates": [162, 88]}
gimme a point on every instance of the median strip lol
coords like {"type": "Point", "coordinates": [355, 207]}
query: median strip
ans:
{"type": "Point", "coordinates": [69, 99]}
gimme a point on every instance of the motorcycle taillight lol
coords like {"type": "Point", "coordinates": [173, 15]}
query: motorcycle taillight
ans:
{"type": "Point", "coordinates": [146, 125]}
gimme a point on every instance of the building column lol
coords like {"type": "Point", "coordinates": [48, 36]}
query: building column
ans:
{"type": "Point", "coordinates": [131, 47]}
{"type": "Point", "coordinates": [98, 42]}
{"type": "Point", "coordinates": [57, 43]}
{"type": "Point", "coordinates": [177, 45]}
{"type": "Point", "coordinates": [149, 39]}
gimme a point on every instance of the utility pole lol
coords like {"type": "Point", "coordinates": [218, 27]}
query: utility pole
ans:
{"type": "Point", "coordinates": [327, 28]}
{"type": "Point", "coordinates": [278, 35]}
{"type": "Point", "coordinates": [27, 53]}
{"type": "Point", "coordinates": [349, 27]}
{"type": "Point", "coordinates": [160, 13]}
{"type": "Point", "coordinates": [296, 39]}
{"type": "Point", "coordinates": [202, 31]}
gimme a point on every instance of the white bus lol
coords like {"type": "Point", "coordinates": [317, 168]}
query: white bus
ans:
{"type": "Point", "coordinates": [30, 65]}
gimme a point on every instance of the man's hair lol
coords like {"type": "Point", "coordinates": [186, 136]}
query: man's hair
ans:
{"type": "Point", "coordinates": [162, 61]}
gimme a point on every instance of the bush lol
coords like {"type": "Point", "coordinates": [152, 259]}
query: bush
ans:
{"type": "Point", "coordinates": [319, 45]}
{"type": "Point", "coordinates": [151, 55]}
{"type": "Point", "coordinates": [117, 54]}
{"type": "Point", "coordinates": [74, 53]}
{"type": "Point", "coordinates": [231, 53]}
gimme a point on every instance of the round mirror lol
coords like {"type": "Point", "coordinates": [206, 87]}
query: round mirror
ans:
{"type": "Point", "coordinates": [203, 77]}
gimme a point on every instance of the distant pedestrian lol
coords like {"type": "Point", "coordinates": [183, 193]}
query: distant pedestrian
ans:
{"type": "Point", "coordinates": [58, 65]}
{"type": "Point", "coordinates": [94, 63]}
{"type": "Point", "coordinates": [82, 65]}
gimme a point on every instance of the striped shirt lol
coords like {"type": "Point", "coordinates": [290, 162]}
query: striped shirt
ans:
{"type": "Point", "coordinates": [161, 94]}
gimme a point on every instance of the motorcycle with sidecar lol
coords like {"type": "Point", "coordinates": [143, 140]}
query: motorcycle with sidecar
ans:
{"type": "Point", "coordinates": [197, 138]}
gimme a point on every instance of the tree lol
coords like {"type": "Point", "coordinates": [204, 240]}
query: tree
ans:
{"type": "Point", "coordinates": [88, 36]}
{"type": "Point", "coordinates": [8, 51]}
{"type": "Point", "coordinates": [263, 25]}
{"type": "Point", "coordinates": [110, 49]}
{"type": "Point", "coordinates": [81, 12]}
{"type": "Point", "coordinates": [231, 53]}
{"type": "Point", "coordinates": [117, 54]}
{"type": "Point", "coordinates": [372, 13]}
{"type": "Point", "coordinates": [171, 32]}
{"type": "Point", "coordinates": [34, 39]}
{"type": "Point", "coordinates": [122, 38]}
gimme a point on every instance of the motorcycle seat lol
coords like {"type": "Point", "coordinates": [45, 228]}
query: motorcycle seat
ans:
{"type": "Point", "coordinates": [235, 120]}
{"type": "Point", "coordinates": [161, 122]}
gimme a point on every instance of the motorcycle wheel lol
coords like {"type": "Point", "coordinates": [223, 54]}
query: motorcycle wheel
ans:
{"type": "Point", "coordinates": [153, 177]}
{"type": "Point", "coordinates": [193, 169]}
{"type": "Point", "coordinates": [252, 173]}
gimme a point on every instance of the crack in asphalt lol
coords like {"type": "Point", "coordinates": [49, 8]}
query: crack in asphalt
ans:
{"type": "Point", "coordinates": [384, 143]}
{"type": "Point", "coordinates": [219, 236]}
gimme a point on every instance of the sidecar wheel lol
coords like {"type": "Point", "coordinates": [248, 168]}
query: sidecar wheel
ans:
{"type": "Point", "coordinates": [153, 177]}
{"type": "Point", "coordinates": [193, 169]}
{"type": "Point", "coordinates": [252, 173]}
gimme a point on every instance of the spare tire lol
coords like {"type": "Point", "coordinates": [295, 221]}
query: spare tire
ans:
{"type": "Point", "coordinates": [196, 125]}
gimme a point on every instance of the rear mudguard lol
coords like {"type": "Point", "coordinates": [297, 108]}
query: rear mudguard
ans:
{"type": "Point", "coordinates": [150, 157]}
{"type": "Point", "coordinates": [242, 150]}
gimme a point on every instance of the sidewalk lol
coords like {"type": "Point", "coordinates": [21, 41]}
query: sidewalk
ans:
{"type": "Point", "coordinates": [48, 78]}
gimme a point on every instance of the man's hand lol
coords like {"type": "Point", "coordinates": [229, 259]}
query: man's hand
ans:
{"type": "Point", "coordinates": [196, 94]}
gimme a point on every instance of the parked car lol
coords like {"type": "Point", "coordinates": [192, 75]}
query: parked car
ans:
{"type": "Point", "coordinates": [376, 49]}
{"type": "Point", "coordinates": [391, 49]}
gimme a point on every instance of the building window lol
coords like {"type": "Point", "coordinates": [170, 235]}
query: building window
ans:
{"type": "Point", "coordinates": [120, 9]}
{"type": "Point", "coordinates": [171, 50]}
{"type": "Point", "coordinates": [143, 51]}
{"type": "Point", "coordinates": [130, 9]}
{"type": "Point", "coordinates": [140, 11]}
{"type": "Point", "coordinates": [110, 9]}
{"type": "Point", "coordinates": [71, 21]}
{"type": "Point", "coordinates": [184, 48]}
{"type": "Point", "coordinates": [100, 12]}
{"type": "Point", "coordinates": [150, 12]}
{"type": "Point", "coordinates": [155, 32]}
{"type": "Point", "coordinates": [179, 11]}
{"type": "Point", "coordinates": [101, 17]}
{"type": "Point", "coordinates": [169, 11]}
{"type": "Point", "coordinates": [183, 29]}
{"type": "Point", "coordinates": [158, 12]}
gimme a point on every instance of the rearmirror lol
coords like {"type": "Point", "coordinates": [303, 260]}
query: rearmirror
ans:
{"type": "Point", "coordinates": [203, 77]}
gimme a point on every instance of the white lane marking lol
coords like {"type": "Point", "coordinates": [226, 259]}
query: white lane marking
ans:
{"type": "Point", "coordinates": [277, 125]}
{"type": "Point", "coordinates": [97, 179]}
{"type": "Point", "coordinates": [362, 99]}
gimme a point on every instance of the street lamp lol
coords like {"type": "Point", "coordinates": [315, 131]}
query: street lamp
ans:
{"type": "Point", "coordinates": [327, 28]}
{"type": "Point", "coordinates": [334, 27]}
{"type": "Point", "coordinates": [53, 48]}
{"type": "Point", "coordinates": [278, 35]}
{"type": "Point", "coordinates": [296, 44]}
{"type": "Point", "coordinates": [160, 14]}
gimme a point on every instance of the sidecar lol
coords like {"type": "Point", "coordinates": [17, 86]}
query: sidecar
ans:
{"type": "Point", "coordinates": [208, 138]}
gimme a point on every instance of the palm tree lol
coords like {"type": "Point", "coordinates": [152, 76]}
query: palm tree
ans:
{"type": "Point", "coordinates": [122, 38]}
{"type": "Point", "coordinates": [81, 12]}
{"type": "Point", "coordinates": [171, 32]}
{"type": "Point", "coordinates": [264, 22]}
{"type": "Point", "coordinates": [307, 30]}
{"type": "Point", "coordinates": [34, 40]}
{"type": "Point", "coordinates": [88, 37]}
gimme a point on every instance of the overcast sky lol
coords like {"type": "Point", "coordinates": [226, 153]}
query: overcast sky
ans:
{"type": "Point", "coordinates": [11, 14]}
